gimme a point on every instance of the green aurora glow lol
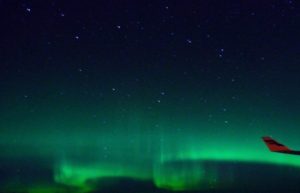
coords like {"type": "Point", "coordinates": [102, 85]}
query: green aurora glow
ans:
{"type": "Point", "coordinates": [175, 94]}
{"type": "Point", "coordinates": [83, 156]}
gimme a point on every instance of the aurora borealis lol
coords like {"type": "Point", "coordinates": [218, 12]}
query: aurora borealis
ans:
{"type": "Point", "coordinates": [148, 96]}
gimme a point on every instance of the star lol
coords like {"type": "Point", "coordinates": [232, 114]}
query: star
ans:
{"type": "Point", "coordinates": [105, 148]}
{"type": "Point", "coordinates": [28, 9]}
{"type": "Point", "coordinates": [189, 41]}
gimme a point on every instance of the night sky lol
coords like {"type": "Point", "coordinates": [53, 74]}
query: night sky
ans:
{"type": "Point", "coordinates": [148, 96]}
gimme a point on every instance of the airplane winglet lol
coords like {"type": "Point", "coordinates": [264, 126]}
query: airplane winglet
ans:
{"type": "Point", "coordinates": [275, 146]}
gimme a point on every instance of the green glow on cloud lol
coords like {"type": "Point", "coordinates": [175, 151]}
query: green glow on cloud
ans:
{"type": "Point", "coordinates": [171, 163]}
{"type": "Point", "coordinates": [164, 147]}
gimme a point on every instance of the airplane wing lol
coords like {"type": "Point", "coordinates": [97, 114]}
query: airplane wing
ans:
{"type": "Point", "coordinates": [274, 146]}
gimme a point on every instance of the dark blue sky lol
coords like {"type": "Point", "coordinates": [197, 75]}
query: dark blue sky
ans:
{"type": "Point", "coordinates": [149, 81]}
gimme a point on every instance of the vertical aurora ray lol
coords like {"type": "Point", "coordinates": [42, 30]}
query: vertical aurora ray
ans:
{"type": "Point", "coordinates": [179, 177]}
{"type": "Point", "coordinates": [178, 162]}
{"type": "Point", "coordinates": [170, 95]}
{"type": "Point", "coordinates": [167, 157]}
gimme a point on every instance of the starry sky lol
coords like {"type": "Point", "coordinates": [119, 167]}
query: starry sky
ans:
{"type": "Point", "coordinates": [158, 96]}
